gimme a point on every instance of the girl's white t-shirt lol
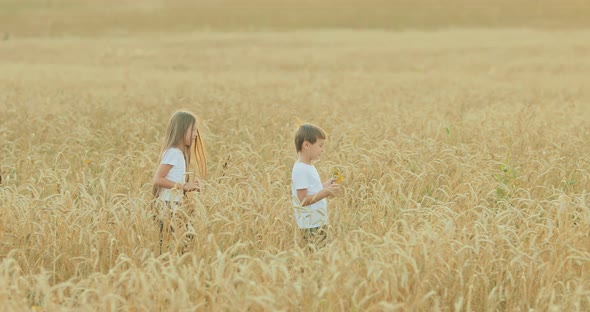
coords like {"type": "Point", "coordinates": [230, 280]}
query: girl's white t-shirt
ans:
{"type": "Point", "coordinates": [307, 177]}
{"type": "Point", "coordinates": [173, 156]}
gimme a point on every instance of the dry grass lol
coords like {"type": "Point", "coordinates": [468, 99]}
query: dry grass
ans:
{"type": "Point", "coordinates": [465, 154]}
{"type": "Point", "coordinates": [123, 17]}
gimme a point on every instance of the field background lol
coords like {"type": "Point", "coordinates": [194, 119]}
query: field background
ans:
{"type": "Point", "coordinates": [462, 129]}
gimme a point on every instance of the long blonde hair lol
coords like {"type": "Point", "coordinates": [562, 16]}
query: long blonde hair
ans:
{"type": "Point", "coordinates": [179, 123]}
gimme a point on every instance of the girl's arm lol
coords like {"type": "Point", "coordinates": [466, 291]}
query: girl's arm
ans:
{"type": "Point", "coordinates": [161, 181]}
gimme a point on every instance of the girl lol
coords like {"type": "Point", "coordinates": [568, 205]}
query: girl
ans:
{"type": "Point", "coordinates": [181, 144]}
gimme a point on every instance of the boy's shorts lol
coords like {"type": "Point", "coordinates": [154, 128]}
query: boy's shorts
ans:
{"type": "Point", "coordinates": [317, 236]}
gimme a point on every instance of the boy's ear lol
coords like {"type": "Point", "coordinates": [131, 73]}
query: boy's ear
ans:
{"type": "Point", "coordinates": [306, 144]}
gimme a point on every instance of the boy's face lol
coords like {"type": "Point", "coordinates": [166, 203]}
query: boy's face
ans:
{"type": "Point", "coordinates": [316, 149]}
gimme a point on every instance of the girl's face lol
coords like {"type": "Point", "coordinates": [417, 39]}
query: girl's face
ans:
{"type": "Point", "coordinates": [190, 135]}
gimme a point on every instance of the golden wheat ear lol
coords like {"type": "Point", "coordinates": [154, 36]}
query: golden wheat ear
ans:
{"type": "Point", "coordinates": [298, 122]}
{"type": "Point", "coordinates": [198, 154]}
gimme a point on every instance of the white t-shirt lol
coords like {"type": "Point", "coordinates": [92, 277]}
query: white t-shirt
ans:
{"type": "Point", "coordinates": [173, 156]}
{"type": "Point", "coordinates": [306, 177]}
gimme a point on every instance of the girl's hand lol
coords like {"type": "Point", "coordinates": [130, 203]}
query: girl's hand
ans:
{"type": "Point", "coordinates": [329, 182]}
{"type": "Point", "coordinates": [191, 186]}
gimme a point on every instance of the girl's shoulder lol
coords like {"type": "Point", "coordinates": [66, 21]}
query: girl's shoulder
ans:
{"type": "Point", "coordinates": [173, 148]}
{"type": "Point", "coordinates": [172, 151]}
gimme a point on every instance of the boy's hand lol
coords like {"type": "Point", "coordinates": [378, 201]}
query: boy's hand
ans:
{"type": "Point", "coordinates": [333, 189]}
{"type": "Point", "coordinates": [329, 182]}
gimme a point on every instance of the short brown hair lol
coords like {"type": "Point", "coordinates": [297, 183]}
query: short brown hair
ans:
{"type": "Point", "coordinates": [309, 133]}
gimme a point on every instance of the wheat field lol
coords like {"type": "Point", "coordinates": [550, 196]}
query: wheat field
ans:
{"type": "Point", "coordinates": [463, 142]}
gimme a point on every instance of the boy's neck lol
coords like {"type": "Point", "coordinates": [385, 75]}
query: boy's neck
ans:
{"type": "Point", "coordinates": [304, 159]}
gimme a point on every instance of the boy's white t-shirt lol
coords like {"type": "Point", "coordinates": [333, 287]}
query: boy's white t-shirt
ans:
{"type": "Point", "coordinates": [307, 177]}
{"type": "Point", "coordinates": [173, 156]}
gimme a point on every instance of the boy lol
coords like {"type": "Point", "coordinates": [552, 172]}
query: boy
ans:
{"type": "Point", "coordinates": [309, 194]}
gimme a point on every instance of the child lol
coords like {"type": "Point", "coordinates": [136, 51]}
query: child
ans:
{"type": "Point", "coordinates": [170, 181]}
{"type": "Point", "coordinates": [309, 194]}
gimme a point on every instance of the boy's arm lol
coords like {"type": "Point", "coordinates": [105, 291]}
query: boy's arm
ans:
{"type": "Point", "coordinates": [307, 200]}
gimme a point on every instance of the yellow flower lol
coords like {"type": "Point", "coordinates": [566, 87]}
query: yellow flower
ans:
{"type": "Point", "coordinates": [336, 174]}
{"type": "Point", "coordinates": [87, 161]}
